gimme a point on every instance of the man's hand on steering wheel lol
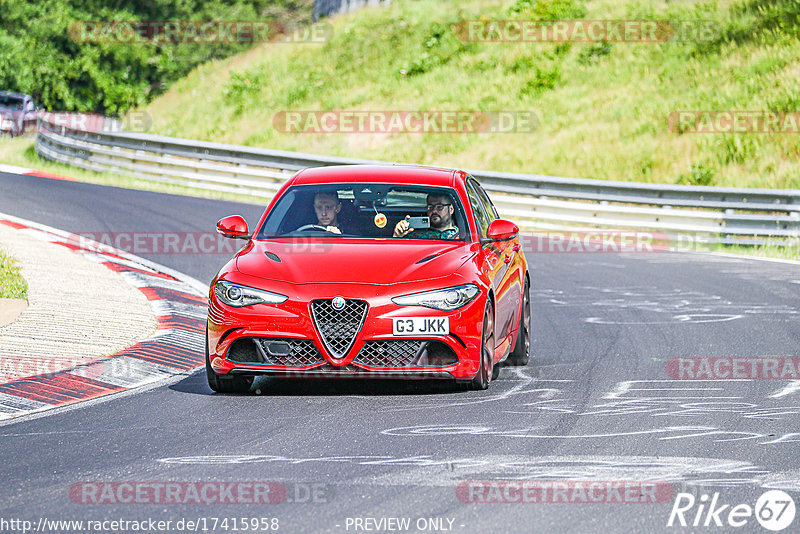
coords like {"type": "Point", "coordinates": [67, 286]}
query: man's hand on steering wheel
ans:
{"type": "Point", "coordinates": [331, 229]}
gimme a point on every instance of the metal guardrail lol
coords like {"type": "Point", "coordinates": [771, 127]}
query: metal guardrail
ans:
{"type": "Point", "coordinates": [746, 216]}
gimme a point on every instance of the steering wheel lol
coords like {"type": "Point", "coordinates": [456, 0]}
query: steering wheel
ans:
{"type": "Point", "coordinates": [312, 227]}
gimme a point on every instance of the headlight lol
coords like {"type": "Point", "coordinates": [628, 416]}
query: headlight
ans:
{"type": "Point", "coordinates": [447, 299]}
{"type": "Point", "coordinates": [236, 295]}
{"type": "Point", "coordinates": [7, 124]}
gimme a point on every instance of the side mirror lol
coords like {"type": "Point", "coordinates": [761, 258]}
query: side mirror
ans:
{"type": "Point", "coordinates": [502, 230]}
{"type": "Point", "coordinates": [233, 226]}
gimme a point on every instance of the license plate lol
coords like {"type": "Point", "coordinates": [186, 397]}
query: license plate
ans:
{"type": "Point", "coordinates": [416, 326]}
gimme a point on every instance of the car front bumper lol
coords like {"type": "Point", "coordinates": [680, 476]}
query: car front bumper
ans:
{"type": "Point", "coordinates": [285, 339]}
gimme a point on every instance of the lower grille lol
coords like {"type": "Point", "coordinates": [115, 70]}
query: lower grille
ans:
{"type": "Point", "coordinates": [406, 353]}
{"type": "Point", "coordinates": [275, 351]}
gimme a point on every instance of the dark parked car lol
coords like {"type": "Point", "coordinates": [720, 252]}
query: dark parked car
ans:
{"type": "Point", "coordinates": [17, 113]}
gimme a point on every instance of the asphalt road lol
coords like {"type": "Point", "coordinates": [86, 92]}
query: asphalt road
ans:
{"type": "Point", "coordinates": [597, 403]}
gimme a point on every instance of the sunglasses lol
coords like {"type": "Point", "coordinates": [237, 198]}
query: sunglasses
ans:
{"type": "Point", "coordinates": [437, 207]}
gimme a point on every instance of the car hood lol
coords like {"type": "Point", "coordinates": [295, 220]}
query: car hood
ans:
{"type": "Point", "coordinates": [352, 261]}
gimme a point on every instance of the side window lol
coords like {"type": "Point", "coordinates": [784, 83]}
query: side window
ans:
{"type": "Point", "coordinates": [481, 218]}
{"type": "Point", "coordinates": [487, 203]}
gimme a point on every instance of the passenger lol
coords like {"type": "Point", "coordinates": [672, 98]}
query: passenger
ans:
{"type": "Point", "coordinates": [440, 211]}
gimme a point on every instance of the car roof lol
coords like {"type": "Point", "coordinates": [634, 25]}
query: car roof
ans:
{"type": "Point", "coordinates": [15, 95]}
{"type": "Point", "coordinates": [405, 174]}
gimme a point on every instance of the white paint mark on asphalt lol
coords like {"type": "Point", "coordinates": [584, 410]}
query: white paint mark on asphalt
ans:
{"type": "Point", "coordinates": [675, 306]}
{"type": "Point", "coordinates": [519, 388]}
{"type": "Point", "coordinates": [792, 387]}
{"type": "Point", "coordinates": [262, 458]}
{"type": "Point", "coordinates": [662, 434]}
{"type": "Point", "coordinates": [546, 393]}
{"type": "Point", "coordinates": [793, 437]}
{"type": "Point", "coordinates": [533, 432]}
{"type": "Point", "coordinates": [676, 319]}
{"type": "Point", "coordinates": [449, 471]}
{"type": "Point", "coordinates": [622, 388]}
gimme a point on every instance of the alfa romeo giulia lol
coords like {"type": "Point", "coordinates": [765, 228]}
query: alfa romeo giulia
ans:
{"type": "Point", "coordinates": [371, 272]}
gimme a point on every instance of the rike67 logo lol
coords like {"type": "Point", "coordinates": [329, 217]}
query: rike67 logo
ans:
{"type": "Point", "coordinates": [774, 510]}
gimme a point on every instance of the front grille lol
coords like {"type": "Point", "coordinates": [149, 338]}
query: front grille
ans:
{"type": "Point", "coordinates": [406, 353]}
{"type": "Point", "coordinates": [275, 351]}
{"type": "Point", "coordinates": [338, 328]}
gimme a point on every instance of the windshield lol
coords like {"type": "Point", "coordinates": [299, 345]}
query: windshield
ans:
{"type": "Point", "coordinates": [10, 102]}
{"type": "Point", "coordinates": [366, 211]}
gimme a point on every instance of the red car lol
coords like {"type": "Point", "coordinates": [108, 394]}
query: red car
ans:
{"type": "Point", "coordinates": [371, 272]}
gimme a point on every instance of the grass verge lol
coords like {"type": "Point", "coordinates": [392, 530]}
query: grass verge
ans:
{"type": "Point", "coordinates": [767, 251]}
{"type": "Point", "coordinates": [12, 285]}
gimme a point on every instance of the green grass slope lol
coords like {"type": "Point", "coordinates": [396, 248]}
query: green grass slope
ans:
{"type": "Point", "coordinates": [602, 107]}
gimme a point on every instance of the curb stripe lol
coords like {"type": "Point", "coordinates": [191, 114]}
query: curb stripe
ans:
{"type": "Point", "coordinates": [50, 175]}
{"type": "Point", "coordinates": [56, 389]}
{"type": "Point", "coordinates": [176, 346]}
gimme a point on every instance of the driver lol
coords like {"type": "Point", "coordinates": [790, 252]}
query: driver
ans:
{"type": "Point", "coordinates": [440, 211]}
{"type": "Point", "coordinates": [327, 207]}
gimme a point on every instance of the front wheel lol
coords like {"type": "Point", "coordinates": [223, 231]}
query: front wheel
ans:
{"type": "Point", "coordinates": [486, 367]}
{"type": "Point", "coordinates": [226, 384]}
{"type": "Point", "coordinates": [520, 354]}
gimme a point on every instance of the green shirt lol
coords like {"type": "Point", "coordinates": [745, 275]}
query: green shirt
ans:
{"type": "Point", "coordinates": [430, 233]}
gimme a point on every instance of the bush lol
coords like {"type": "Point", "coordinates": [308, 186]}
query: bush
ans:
{"type": "Point", "coordinates": [544, 78]}
{"type": "Point", "coordinates": [39, 56]}
{"type": "Point", "coordinates": [698, 175]}
{"type": "Point", "coordinates": [549, 9]}
{"type": "Point", "coordinates": [439, 46]}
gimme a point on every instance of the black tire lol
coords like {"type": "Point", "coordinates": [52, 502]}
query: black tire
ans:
{"type": "Point", "coordinates": [496, 372]}
{"type": "Point", "coordinates": [521, 353]}
{"type": "Point", "coordinates": [226, 384]}
{"type": "Point", "coordinates": [486, 367]}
